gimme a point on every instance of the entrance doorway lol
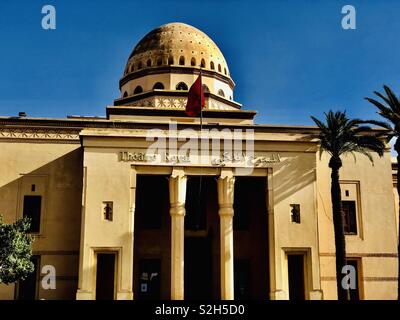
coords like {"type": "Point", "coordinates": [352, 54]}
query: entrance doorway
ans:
{"type": "Point", "coordinates": [105, 276]}
{"type": "Point", "coordinates": [198, 268]}
{"type": "Point", "coordinates": [152, 241]}
{"type": "Point", "coordinates": [250, 238]}
{"type": "Point", "coordinates": [296, 276]}
{"type": "Point", "coordinates": [202, 252]}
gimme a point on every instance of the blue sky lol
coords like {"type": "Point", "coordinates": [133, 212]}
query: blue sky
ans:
{"type": "Point", "coordinates": [289, 59]}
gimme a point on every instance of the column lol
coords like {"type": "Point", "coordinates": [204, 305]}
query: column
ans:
{"type": "Point", "coordinates": [226, 183]}
{"type": "Point", "coordinates": [177, 194]}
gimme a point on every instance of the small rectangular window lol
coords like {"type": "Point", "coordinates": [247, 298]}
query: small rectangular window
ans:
{"type": "Point", "coordinates": [295, 213]}
{"type": "Point", "coordinates": [349, 217]}
{"type": "Point", "coordinates": [32, 208]}
{"type": "Point", "coordinates": [347, 193]}
{"type": "Point", "coordinates": [108, 210]}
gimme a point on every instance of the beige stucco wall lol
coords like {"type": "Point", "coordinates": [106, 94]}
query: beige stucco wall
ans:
{"type": "Point", "coordinates": [377, 245]}
{"type": "Point", "coordinates": [106, 179]}
{"type": "Point", "coordinates": [56, 169]}
{"type": "Point", "coordinates": [294, 182]}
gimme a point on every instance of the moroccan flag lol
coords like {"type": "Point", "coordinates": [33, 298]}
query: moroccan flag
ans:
{"type": "Point", "coordinates": [195, 101]}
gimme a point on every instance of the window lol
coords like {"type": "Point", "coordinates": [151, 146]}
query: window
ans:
{"type": "Point", "coordinates": [349, 217]}
{"type": "Point", "coordinates": [295, 213]}
{"type": "Point", "coordinates": [108, 210]}
{"type": "Point", "coordinates": [225, 71]}
{"type": "Point", "coordinates": [32, 208]}
{"type": "Point", "coordinates": [149, 63]}
{"type": "Point", "coordinates": [219, 68]}
{"type": "Point", "coordinates": [212, 67]}
{"type": "Point", "coordinates": [138, 89]}
{"type": "Point", "coordinates": [158, 86]}
{"type": "Point", "coordinates": [182, 61]}
{"type": "Point", "coordinates": [140, 65]}
{"type": "Point", "coordinates": [159, 61]}
{"type": "Point", "coordinates": [205, 88]}
{"type": "Point", "coordinates": [203, 63]}
{"type": "Point", "coordinates": [125, 94]}
{"type": "Point", "coordinates": [354, 294]}
{"type": "Point", "coordinates": [132, 67]}
{"type": "Point", "coordinates": [193, 62]}
{"type": "Point", "coordinates": [181, 86]}
{"type": "Point", "coordinates": [221, 93]}
{"type": "Point", "coordinates": [170, 60]}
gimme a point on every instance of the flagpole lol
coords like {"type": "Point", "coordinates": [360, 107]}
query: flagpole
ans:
{"type": "Point", "coordinates": [201, 129]}
{"type": "Point", "coordinates": [201, 100]}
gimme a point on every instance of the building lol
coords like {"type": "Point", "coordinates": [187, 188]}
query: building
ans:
{"type": "Point", "coordinates": [117, 222]}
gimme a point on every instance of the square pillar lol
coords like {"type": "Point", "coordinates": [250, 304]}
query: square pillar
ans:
{"type": "Point", "coordinates": [177, 194]}
{"type": "Point", "coordinates": [226, 183]}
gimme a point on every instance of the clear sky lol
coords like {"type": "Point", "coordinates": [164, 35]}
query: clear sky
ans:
{"type": "Point", "coordinates": [289, 59]}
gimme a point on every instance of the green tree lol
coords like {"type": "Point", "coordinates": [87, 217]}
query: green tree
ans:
{"type": "Point", "coordinates": [15, 251]}
{"type": "Point", "coordinates": [389, 109]}
{"type": "Point", "coordinates": [338, 136]}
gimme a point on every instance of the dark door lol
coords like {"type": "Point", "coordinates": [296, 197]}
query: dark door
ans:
{"type": "Point", "coordinates": [27, 287]}
{"type": "Point", "coordinates": [354, 294]}
{"type": "Point", "coordinates": [242, 279]}
{"type": "Point", "coordinates": [105, 276]}
{"type": "Point", "coordinates": [296, 276]}
{"type": "Point", "coordinates": [149, 279]}
{"type": "Point", "coordinates": [198, 275]}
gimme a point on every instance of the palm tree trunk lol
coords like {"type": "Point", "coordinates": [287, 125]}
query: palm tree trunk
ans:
{"type": "Point", "coordinates": [397, 148]}
{"type": "Point", "coordinates": [340, 245]}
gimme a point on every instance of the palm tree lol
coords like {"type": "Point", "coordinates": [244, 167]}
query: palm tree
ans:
{"type": "Point", "coordinates": [390, 110]}
{"type": "Point", "coordinates": [338, 136]}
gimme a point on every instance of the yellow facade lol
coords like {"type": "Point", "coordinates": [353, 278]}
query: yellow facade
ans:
{"type": "Point", "coordinates": [80, 165]}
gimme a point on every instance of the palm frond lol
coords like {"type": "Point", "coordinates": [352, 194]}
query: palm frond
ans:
{"type": "Point", "coordinates": [340, 135]}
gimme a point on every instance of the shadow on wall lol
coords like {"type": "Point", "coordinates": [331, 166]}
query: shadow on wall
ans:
{"type": "Point", "coordinates": [60, 221]}
{"type": "Point", "coordinates": [292, 175]}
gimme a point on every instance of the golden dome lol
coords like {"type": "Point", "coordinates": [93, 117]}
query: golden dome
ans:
{"type": "Point", "coordinates": [177, 44]}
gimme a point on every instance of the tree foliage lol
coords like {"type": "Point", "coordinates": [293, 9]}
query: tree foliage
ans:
{"type": "Point", "coordinates": [15, 251]}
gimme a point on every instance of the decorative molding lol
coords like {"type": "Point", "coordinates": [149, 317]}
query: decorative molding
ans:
{"type": "Point", "coordinates": [38, 134]}
{"type": "Point", "coordinates": [361, 255]}
{"type": "Point", "coordinates": [173, 102]}
{"type": "Point", "coordinates": [329, 278]}
{"type": "Point", "coordinates": [56, 253]}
